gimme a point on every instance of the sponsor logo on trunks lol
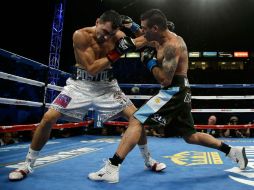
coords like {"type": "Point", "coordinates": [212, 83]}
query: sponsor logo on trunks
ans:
{"type": "Point", "coordinates": [191, 158]}
{"type": "Point", "coordinates": [60, 156]}
{"type": "Point", "coordinates": [244, 176]}
{"type": "Point", "coordinates": [187, 98]}
{"type": "Point", "coordinates": [62, 100]}
{"type": "Point", "coordinates": [159, 119]}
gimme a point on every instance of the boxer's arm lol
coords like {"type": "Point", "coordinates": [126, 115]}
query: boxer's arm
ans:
{"type": "Point", "coordinates": [140, 42]}
{"type": "Point", "coordinates": [165, 73]}
{"type": "Point", "coordinates": [85, 56]}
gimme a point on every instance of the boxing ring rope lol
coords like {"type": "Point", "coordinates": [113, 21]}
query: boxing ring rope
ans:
{"type": "Point", "coordinates": [191, 85]}
{"type": "Point", "coordinates": [30, 127]}
{"type": "Point", "coordinates": [247, 97]}
{"type": "Point", "coordinates": [141, 97]}
{"type": "Point", "coordinates": [21, 59]}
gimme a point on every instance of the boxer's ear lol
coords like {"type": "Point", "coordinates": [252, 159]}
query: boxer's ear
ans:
{"type": "Point", "coordinates": [97, 21]}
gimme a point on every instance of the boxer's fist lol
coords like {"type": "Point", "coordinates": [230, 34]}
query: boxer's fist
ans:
{"type": "Point", "coordinates": [127, 22]}
{"type": "Point", "coordinates": [123, 45]}
{"type": "Point", "coordinates": [148, 58]}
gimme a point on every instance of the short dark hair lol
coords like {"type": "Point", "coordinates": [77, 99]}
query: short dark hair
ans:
{"type": "Point", "coordinates": [113, 17]}
{"type": "Point", "coordinates": [155, 17]}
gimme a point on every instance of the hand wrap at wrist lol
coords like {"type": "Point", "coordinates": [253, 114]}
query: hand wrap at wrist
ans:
{"type": "Point", "coordinates": [151, 64]}
{"type": "Point", "coordinates": [134, 27]}
{"type": "Point", "coordinates": [113, 56]}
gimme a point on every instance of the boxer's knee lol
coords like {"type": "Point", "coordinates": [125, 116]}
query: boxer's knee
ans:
{"type": "Point", "coordinates": [50, 118]}
{"type": "Point", "coordinates": [191, 138]}
{"type": "Point", "coordinates": [134, 123]}
{"type": "Point", "coordinates": [133, 120]}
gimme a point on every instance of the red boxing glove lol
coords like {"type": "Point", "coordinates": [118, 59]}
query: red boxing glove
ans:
{"type": "Point", "coordinates": [123, 45]}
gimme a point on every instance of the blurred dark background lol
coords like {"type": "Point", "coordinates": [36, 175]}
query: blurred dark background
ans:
{"type": "Point", "coordinates": [206, 25]}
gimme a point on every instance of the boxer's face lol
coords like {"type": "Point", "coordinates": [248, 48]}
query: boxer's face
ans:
{"type": "Point", "coordinates": [148, 32]}
{"type": "Point", "coordinates": [104, 31]}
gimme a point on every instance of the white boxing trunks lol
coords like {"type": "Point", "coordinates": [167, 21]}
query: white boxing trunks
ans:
{"type": "Point", "coordinates": [78, 96]}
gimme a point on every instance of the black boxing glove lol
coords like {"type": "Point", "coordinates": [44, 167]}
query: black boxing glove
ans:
{"type": "Point", "coordinates": [123, 45]}
{"type": "Point", "coordinates": [148, 58]}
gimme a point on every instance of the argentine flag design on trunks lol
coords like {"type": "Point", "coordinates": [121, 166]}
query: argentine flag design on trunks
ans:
{"type": "Point", "coordinates": [155, 103]}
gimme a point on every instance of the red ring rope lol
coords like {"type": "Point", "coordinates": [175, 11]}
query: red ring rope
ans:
{"type": "Point", "coordinates": [14, 128]}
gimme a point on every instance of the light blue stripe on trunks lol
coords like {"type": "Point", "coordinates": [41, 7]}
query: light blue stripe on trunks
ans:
{"type": "Point", "coordinates": [155, 103]}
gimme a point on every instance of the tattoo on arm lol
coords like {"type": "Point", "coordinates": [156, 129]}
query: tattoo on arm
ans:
{"type": "Point", "coordinates": [169, 62]}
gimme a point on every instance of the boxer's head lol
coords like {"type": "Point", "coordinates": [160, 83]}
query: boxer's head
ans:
{"type": "Point", "coordinates": [153, 22]}
{"type": "Point", "coordinates": [107, 25]}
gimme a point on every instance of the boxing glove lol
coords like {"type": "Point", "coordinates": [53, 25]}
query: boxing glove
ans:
{"type": "Point", "coordinates": [123, 45]}
{"type": "Point", "coordinates": [148, 58]}
{"type": "Point", "coordinates": [127, 22]}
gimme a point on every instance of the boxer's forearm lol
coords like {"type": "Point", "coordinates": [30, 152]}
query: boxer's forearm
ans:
{"type": "Point", "coordinates": [140, 42]}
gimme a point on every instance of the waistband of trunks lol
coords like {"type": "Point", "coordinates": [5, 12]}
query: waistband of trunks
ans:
{"type": "Point", "coordinates": [179, 80]}
{"type": "Point", "coordinates": [81, 74]}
